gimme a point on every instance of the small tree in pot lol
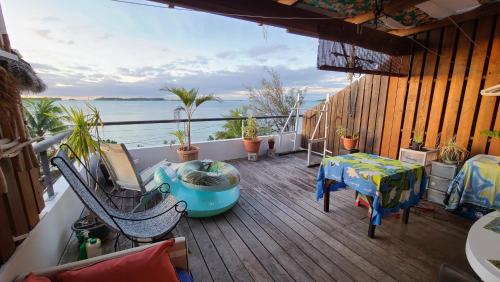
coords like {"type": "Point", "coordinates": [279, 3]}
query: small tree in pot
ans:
{"type": "Point", "coordinates": [190, 102]}
{"type": "Point", "coordinates": [349, 141]}
{"type": "Point", "coordinates": [84, 141]}
{"type": "Point", "coordinates": [251, 141]}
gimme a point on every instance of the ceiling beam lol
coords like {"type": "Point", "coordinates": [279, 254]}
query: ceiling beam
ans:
{"type": "Point", "coordinates": [389, 9]}
{"type": "Point", "coordinates": [483, 11]}
{"type": "Point", "coordinates": [274, 14]}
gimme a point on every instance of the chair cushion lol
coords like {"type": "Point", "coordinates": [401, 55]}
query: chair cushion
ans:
{"type": "Point", "coordinates": [35, 278]}
{"type": "Point", "coordinates": [152, 264]}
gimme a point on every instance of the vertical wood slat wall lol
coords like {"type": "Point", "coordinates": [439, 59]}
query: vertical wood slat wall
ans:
{"type": "Point", "coordinates": [440, 97]}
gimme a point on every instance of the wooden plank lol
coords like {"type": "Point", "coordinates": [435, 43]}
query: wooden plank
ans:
{"type": "Point", "coordinates": [233, 264]}
{"type": "Point", "coordinates": [457, 83]}
{"type": "Point", "coordinates": [495, 142]}
{"type": "Point", "coordinates": [7, 246]}
{"type": "Point", "coordinates": [439, 93]}
{"type": "Point", "coordinates": [413, 91]}
{"type": "Point", "coordinates": [430, 70]}
{"type": "Point", "coordinates": [354, 91]}
{"type": "Point", "coordinates": [475, 74]}
{"type": "Point", "coordinates": [359, 104]}
{"type": "Point", "coordinates": [16, 214]}
{"type": "Point", "coordinates": [334, 262]}
{"type": "Point", "coordinates": [483, 11]}
{"type": "Point", "coordinates": [487, 105]}
{"type": "Point", "coordinates": [338, 120]}
{"type": "Point", "coordinates": [345, 115]}
{"type": "Point", "coordinates": [197, 264]}
{"type": "Point", "coordinates": [389, 115]}
{"type": "Point", "coordinates": [288, 266]}
{"type": "Point", "coordinates": [248, 214]}
{"type": "Point", "coordinates": [399, 109]}
{"type": "Point", "coordinates": [365, 113]}
{"type": "Point", "coordinates": [246, 256]}
{"type": "Point", "coordinates": [333, 124]}
{"type": "Point", "coordinates": [372, 118]}
{"type": "Point", "coordinates": [379, 125]}
{"type": "Point", "coordinates": [214, 263]}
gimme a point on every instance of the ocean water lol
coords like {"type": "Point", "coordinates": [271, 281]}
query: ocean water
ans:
{"type": "Point", "coordinates": [157, 134]}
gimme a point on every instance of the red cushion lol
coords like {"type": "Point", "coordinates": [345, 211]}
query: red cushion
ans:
{"type": "Point", "coordinates": [152, 264]}
{"type": "Point", "coordinates": [34, 278]}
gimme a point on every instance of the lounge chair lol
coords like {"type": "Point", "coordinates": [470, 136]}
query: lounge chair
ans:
{"type": "Point", "coordinates": [124, 173]}
{"type": "Point", "coordinates": [144, 226]}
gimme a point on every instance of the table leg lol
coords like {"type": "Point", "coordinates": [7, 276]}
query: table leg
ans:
{"type": "Point", "coordinates": [406, 215]}
{"type": "Point", "coordinates": [371, 230]}
{"type": "Point", "coordinates": [326, 197]}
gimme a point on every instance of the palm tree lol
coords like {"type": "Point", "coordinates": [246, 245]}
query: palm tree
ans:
{"type": "Point", "coordinates": [85, 139]}
{"type": "Point", "coordinates": [43, 117]}
{"type": "Point", "coordinates": [191, 102]}
{"type": "Point", "coordinates": [232, 128]}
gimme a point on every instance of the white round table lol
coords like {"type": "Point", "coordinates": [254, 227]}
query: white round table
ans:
{"type": "Point", "coordinates": [482, 245]}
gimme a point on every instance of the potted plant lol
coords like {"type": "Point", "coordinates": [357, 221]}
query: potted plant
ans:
{"type": "Point", "coordinates": [417, 140]}
{"type": "Point", "coordinates": [270, 142]}
{"type": "Point", "coordinates": [349, 141]}
{"type": "Point", "coordinates": [190, 102]}
{"type": "Point", "coordinates": [452, 153]}
{"type": "Point", "coordinates": [85, 141]}
{"type": "Point", "coordinates": [251, 141]}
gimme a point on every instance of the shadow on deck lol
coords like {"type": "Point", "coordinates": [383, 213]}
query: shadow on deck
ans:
{"type": "Point", "coordinates": [277, 231]}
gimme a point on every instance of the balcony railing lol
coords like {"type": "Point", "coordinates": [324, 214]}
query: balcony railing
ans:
{"type": "Point", "coordinates": [41, 148]}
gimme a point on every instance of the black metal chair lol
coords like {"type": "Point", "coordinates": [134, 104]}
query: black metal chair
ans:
{"type": "Point", "coordinates": [143, 226]}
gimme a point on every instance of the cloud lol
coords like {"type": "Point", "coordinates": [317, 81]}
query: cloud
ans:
{"type": "Point", "coordinates": [45, 33]}
{"type": "Point", "coordinates": [263, 50]}
{"type": "Point", "coordinates": [146, 81]}
{"type": "Point", "coordinates": [50, 19]}
{"type": "Point", "coordinates": [105, 36]}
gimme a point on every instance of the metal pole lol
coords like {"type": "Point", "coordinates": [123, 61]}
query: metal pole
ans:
{"type": "Point", "coordinates": [47, 178]}
{"type": "Point", "coordinates": [327, 125]}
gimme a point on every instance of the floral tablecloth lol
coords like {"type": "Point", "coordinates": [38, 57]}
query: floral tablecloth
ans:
{"type": "Point", "coordinates": [477, 183]}
{"type": "Point", "coordinates": [392, 185]}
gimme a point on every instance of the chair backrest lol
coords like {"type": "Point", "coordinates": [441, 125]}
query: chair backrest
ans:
{"type": "Point", "coordinates": [78, 183]}
{"type": "Point", "coordinates": [121, 167]}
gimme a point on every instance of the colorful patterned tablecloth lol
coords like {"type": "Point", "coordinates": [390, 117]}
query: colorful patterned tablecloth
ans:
{"type": "Point", "coordinates": [392, 185]}
{"type": "Point", "coordinates": [477, 183]}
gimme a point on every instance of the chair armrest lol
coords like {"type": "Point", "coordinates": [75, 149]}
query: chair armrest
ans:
{"type": "Point", "coordinates": [178, 254]}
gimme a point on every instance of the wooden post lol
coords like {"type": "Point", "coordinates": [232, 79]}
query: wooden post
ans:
{"type": "Point", "coordinates": [406, 215]}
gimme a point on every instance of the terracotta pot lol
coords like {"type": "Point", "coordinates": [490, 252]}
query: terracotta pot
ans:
{"type": "Point", "coordinates": [270, 143]}
{"type": "Point", "coordinates": [349, 143]}
{"type": "Point", "coordinates": [251, 145]}
{"type": "Point", "coordinates": [185, 155]}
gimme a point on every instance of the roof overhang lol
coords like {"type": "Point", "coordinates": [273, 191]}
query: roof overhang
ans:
{"type": "Point", "coordinates": [324, 27]}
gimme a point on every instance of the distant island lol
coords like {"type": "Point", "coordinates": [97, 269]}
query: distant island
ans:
{"type": "Point", "coordinates": [128, 99]}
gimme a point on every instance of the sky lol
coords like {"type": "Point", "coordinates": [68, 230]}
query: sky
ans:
{"type": "Point", "coordinates": [102, 48]}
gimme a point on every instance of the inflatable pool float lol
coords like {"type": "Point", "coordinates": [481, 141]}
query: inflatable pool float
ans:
{"type": "Point", "coordinates": [208, 187]}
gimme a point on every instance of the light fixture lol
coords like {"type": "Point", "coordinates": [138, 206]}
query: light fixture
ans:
{"type": "Point", "coordinates": [491, 91]}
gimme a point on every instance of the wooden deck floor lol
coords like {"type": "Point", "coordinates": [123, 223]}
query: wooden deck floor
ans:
{"type": "Point", "coordinates": [277, 231]}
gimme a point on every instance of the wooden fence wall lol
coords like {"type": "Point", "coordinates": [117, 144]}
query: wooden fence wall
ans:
{"type": "Point", "coordinates": [440, 96]}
